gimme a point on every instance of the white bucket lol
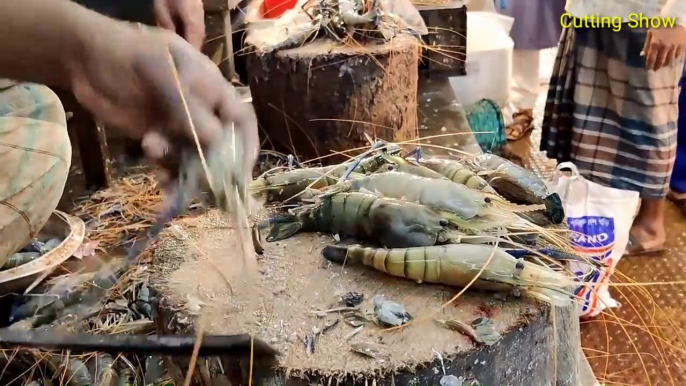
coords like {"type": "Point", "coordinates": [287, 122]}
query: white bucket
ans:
{"type": "Point", "coordinates": [489, 60]}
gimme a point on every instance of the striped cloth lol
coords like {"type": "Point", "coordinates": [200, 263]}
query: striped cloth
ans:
{"type": "Point", "coordinates": [610, 116]}
{"type": "Point", "coordinates": [35, 155]}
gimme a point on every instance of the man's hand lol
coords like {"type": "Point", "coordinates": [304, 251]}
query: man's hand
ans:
{"type": "Point", "coordinates": [129, 83]}
{"type": "Point", "coordinates": [663, 46]}
{"type": "Point", "coordinates": [185, 17]}
{"type": "Point", "coordinates": [124, 75]}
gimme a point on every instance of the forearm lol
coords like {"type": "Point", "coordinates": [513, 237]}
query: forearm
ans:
{"type": "Point", "coordinates": [675, 9]}
{"type": "Point", "coordinates": [42, 41]}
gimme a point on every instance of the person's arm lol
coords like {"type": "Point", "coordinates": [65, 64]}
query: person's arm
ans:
{"type": "Point", "coordinates": [132, 79]}
{"type": "Point", "coordinates": [675, 9]}
{"type": "Point", "coordinates": [666, 45]}
{"type": "Point", "coordinates": [43, 41]}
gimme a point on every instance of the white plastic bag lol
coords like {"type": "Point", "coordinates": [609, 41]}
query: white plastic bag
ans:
{"type": "Point", "coordinates": [600, 219]}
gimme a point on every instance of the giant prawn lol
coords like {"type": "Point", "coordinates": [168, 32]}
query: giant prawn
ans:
{"type": "Point", "coordinates": [284, 186]}
{"type": "Point", "coordinates": [391, 223]}
{"type": "Point", "coordinates": [457, 265]}
{"type": "Point", "coordinates": [463, 206]}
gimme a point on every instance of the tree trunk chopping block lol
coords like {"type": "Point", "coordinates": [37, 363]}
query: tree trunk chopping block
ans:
{"type": "Point", "coordinates": [538, 346]}
{"type": "Point", "coordinates": [323, 96]}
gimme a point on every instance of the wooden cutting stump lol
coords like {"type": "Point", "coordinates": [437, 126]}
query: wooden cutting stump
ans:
{"type": "Point", "coordinates": [194, 264]}
{"type": "Point", "coordinates": [323, 96]}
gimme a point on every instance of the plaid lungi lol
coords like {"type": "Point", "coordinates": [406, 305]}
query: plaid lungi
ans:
{"type": "Point", "coordinates": [610, 116]}
{"type": "Point", "coordinates": [35, 155]}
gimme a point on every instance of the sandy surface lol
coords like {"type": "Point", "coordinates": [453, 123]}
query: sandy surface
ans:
{"type": "Point", "coordinates": [292, 280]}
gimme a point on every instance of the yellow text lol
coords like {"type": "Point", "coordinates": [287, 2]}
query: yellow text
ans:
{"type": "Point", "coordinates": [636, 20]}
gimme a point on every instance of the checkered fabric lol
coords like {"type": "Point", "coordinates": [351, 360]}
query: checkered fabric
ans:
{"type": "Point", "coordinates": [35, 155]}
{"type": "Point", "coordinates": [609, 115]}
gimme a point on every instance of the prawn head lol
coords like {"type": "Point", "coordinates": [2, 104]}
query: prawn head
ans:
{"type": "Point", "coordinates": [284, 227]}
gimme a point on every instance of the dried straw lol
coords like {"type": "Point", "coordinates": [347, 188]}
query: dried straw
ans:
{"type": "Point", "coordinates": [115, 214]}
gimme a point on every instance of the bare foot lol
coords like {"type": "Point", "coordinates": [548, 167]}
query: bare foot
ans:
{"type": "Point", "coordinates": [647, 233]}
{"type": "Point", "coordinates": [648, 236]}
{"type": "Point", "coordinates": [676, 195]}
{"type": "Point", "coordinates": [523, 123]}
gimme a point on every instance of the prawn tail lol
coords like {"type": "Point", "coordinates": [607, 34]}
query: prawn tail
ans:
{"type": "Point", "coordinates": [554, 209]}
{"type": "Point", "coordinates": [502, 203]}
{"type": "Point", "coordinates": [284, 227]}
{"type": "Point", "coordinates": [339, 254]}
{"type": "Point", "coordinates": [543, 282]}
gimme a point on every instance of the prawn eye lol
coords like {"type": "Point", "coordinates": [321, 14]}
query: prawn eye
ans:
{"type": "Point", "coordinates": [519, 265]}
{"type": "Point", "coordinates": [487, 200]}
{"type": "Point", "coordinates": [443, 222]}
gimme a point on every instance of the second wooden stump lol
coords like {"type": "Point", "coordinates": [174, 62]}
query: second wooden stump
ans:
{"type": "Point", "coordinates": [323, 96]}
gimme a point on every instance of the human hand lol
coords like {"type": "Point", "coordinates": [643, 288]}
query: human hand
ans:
{"type": "Point", "coordinates": [663, 46]}
{"type": "Point", "coordinates": [185, 17]}
{"type": "Point", "coordinates": [126, 79]}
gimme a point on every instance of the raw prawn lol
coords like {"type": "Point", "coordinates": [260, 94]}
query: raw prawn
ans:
{"type": "Point", "coordinates": [457, 264]}
{"type": "Point", "coordinates": [517, 184]}
{"type": "Point", "coordinates": [285, 185]}
{"type": "Point", "coordinates": [390, 222]}
{"type": "Point", "coordinates": [440, 194]}
{"type": "Point", "coordinates": [458, 173]}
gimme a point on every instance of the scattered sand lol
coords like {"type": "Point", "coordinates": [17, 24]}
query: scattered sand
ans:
{"type": "Point", "coordinates": [275, 303]}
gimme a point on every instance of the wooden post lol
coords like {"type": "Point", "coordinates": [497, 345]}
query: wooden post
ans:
{"type": "Point", "coordinates": [91, 141]}
{"type": "Point", "coordinates": [324, 97]}
{"type": "Point", "coordinates": [219, 44]}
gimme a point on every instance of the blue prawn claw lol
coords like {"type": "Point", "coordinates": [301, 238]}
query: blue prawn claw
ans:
{"type": "Point", "coordinates": [554, 254]}
{"type": "Point", "coordinates": [416, 152]}
{"type": "Point", "coordinates": [379, 144]}
{"type": "Point", "coordinates": [293, 161]}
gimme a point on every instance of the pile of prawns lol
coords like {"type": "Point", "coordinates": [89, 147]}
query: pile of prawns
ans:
{"type": "Point", "coordinates": [432, 220]}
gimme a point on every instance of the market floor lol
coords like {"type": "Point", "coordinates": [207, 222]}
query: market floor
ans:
{"type": "Point", "coordinates": [642, 342]}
